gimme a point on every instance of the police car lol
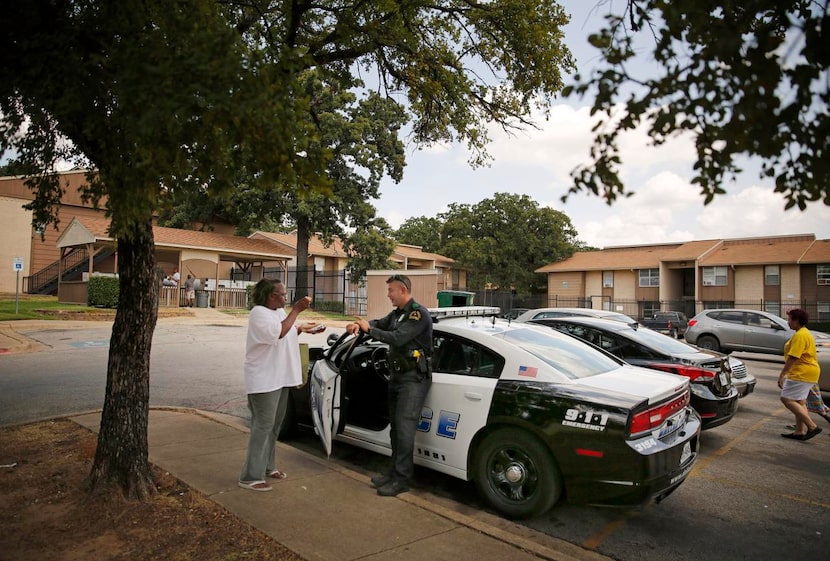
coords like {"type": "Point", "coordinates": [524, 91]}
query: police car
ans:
{"type": "Point", "coordinates": [529, 414]}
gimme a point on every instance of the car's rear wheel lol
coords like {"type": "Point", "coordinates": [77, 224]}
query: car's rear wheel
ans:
{"type": "Point", "coordinates": [708, 342]}
{"type": "Point", "coordinates": [516, 474]}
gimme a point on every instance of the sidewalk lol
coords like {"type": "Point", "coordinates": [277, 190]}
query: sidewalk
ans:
{"type": "Point", "coordinates": [326, 512]}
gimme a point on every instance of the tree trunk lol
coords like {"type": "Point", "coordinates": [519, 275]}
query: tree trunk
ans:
{"type": "Point", "coordinates": [121, 461]}
{"type": "Point", "coordinates": [303, 234]}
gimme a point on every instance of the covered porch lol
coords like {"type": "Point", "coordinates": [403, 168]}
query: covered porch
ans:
{"type": "Point", "coordinates": [205, 256]}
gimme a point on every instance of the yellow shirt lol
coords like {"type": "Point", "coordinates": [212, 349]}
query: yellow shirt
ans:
{"type": "Point", "coordinates": [802, 346]}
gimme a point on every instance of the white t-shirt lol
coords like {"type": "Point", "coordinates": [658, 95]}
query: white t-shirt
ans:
{"type": "Point", "coordinates": [271, 363]}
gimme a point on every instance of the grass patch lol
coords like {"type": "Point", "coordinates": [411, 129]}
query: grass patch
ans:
{"type": "Point", "coordinates": [36, 307]}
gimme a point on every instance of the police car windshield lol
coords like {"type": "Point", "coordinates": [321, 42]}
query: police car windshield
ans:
{"type": "Point", "coordinates": [568, 355]}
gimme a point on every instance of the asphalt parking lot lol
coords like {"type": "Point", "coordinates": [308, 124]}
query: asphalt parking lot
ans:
{"type": "Point", "coordinates": [752, 494]}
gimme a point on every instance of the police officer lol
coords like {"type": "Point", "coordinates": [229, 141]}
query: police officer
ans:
{"type": "Point", "coordinates": [408, 331]}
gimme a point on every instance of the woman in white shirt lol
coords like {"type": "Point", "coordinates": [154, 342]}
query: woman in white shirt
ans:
{"type": "Point", "coordinates": [272, 366]}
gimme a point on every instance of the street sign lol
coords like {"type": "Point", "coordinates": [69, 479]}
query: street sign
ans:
{"type": "Point", "coordinates": [18, 264]}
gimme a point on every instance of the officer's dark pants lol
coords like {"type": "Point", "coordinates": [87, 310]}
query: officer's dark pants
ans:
{"type": "Point", "coordinates": [407, 392]}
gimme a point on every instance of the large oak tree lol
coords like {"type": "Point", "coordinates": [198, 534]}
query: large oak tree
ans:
{"type": "Point", "coordinates": [159, 96]}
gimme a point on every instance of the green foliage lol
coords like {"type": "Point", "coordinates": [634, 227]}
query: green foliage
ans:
{"type": "Point", "coordinates": [744, 79]}
{"type": "Point", "coordinates": [102, 292]}
{"type": "Point", "coordinates": [369, 248]}
{"type": "Point", "coordinates": [332, 306]}
{"type": "Point", "coordinates": [249, 295]}
{"type": "Point", "coordinates": [421, 231]}
{"type": "Point", "coordinates": [503, 240]}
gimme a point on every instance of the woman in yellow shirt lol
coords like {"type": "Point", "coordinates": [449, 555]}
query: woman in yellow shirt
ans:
{"type": "Point", "coordinates": [800, 372]}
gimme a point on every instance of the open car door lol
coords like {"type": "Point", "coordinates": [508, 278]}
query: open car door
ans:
{"type": "Point", "coordinates": [324, 393]}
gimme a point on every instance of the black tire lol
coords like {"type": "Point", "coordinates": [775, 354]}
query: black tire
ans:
{"type": "Point", "coordinates": [516, 474]}
{"type": "Point", "coordinates": [709, 342]}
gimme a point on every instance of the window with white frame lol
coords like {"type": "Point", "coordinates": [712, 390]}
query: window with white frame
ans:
{"type": "Point", "coordinates": [823, 274]}
{"type": "Point", "coordinates": [772, 275]}
{"type": "Point", "coordinates": [823, 311]}
{"type": "Point", "coordinates": [714, 276]}
{"type": "Point", "coordinates": [607, 279]}
{"type": "Point", "coordinates": [649, 277]}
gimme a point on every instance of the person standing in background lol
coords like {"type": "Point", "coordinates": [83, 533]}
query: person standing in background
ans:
{"type": "Point", "coordinates": [272, 366]}
{"type": "Point", "coordinates": [190, 291]}
{"type": "Point", "coordinates": [801, 371]}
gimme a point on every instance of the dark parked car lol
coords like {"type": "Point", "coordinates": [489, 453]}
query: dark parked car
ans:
{"type": "Point", "coordinates": [514, 313]}
{"type": "Point", "coordinates": [672, 324]}
{"type": "Point", "coordinates": [714, 396]}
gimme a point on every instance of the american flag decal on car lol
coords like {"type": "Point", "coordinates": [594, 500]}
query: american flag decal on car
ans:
{"type": "Point", "coordinates": [529, 371]}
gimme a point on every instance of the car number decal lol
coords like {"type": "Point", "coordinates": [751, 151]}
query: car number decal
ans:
{"type": "Point", "coordinates": [647, 444]}
{"type": "Point", "coordinates": [587, 419]}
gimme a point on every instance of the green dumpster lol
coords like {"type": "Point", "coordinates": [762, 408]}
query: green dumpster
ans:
{"type": "Point", "coordinates": [454, 298]}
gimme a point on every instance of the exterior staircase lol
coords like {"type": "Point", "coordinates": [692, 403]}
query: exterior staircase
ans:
{"type": "Point", "coordinates": [75, 263]}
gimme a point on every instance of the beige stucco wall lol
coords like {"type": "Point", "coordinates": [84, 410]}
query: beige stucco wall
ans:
{"type": "Point", "coordinates": [17, 242]}
{"type": "Point", "coordinates": [749, 283]}
{"type": "Point", "coordinates": [790, 283]}
{"type": "Point", "coordinates": [625, 285]}
{"type": "Point", "coordinates": [424, 289]}
{"type": "Point", "coordinates": [593, 283]}
{"type": "Point", "coordinates": [566, 284]}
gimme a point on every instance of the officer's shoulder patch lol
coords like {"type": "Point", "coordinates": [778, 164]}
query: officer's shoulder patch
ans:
{"type": "Point", "coordinates": [415, 305]}
{"type": "Point", "coordinates": [415, 315]}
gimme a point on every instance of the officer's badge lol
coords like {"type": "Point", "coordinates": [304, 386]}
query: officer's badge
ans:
{"type": "Point", "coordinates": [415, 315]}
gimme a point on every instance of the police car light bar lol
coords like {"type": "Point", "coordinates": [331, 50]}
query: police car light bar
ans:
{"type": "Point", "coordinates": [464, 311]}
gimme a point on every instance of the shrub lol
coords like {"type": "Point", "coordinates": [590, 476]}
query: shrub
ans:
{"type": "Point", "coordinates": [102, 292]}
{"type": "Point", "coordinates": [249, 292]}
{"type": "Point", "coordinates": [329, 306]}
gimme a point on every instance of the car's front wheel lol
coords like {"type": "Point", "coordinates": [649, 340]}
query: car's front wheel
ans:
{"type": "Point", "coordinates": [516, 474]}
{"type": "Point", "coordinates": [708, 342]}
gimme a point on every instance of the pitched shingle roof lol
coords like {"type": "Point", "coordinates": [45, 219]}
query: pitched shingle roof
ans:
{"type": "Point", "coordinates": [760, 251]}
{"type": "Point", "coordinates": [315, 244]}
{"type": "Point", "coordinates": [818, 252]}
{"type": "Point", "coordinates": [632, 257]}
{"type": "Point", "coordinates": [801, 248]}
{"type": "Point", "coordinates": [406, 251]}
{"type": "Point", "coordinates": [233, 246]}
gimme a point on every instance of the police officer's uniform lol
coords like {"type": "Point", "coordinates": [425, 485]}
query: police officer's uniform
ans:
{"type": "Point", "coordinates": [408, 331]}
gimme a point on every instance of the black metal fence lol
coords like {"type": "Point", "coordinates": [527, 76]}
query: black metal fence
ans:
{"type": "Point", "coordinates": [332, 291]}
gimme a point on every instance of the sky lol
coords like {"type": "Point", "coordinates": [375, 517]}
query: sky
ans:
{"type": "Point", "coordinates": [665, 207]}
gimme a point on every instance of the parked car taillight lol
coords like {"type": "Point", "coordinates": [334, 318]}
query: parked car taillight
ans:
{"type": "Point", "coordinates": [693, 373]}
{"type": "Point", "coordinates": [692, 322]}
{"type": "Point", "coordinates": [652, 418]}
